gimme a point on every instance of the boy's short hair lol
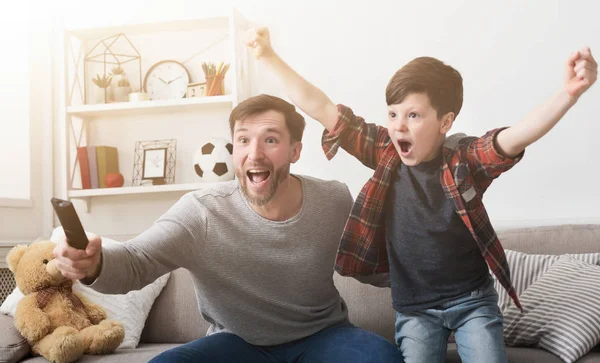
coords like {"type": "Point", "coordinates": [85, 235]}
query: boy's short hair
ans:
{"type": "Point", "coordinates": [442, 84]}
{"type": "Point", "coordinates": [254, 105]}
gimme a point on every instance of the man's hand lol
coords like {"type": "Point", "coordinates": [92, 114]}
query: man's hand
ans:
{"type": "Point", "coordinates": [76, 264]}
{"type": "Point", "coordinates": [581, 71]}
{"type": "Point", "coordinates": [259, 41]}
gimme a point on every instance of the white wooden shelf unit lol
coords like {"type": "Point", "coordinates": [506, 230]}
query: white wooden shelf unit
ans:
{"type": "Point", "coordinates": [80, 120]}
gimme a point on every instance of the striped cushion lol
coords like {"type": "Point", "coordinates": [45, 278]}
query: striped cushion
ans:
{"type": "Point", "coordinates": [562, 311]}
{"type": "Point", "coordinates": [525, 269]}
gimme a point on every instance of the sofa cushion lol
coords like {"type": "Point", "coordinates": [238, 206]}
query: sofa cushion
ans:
{"type": "Point", "coordinates": [369, 307]}
{"type": "Point", "coordinates": [514, 355]}
{"type": "Point", "coordinates": [552, 240]}
{"type": "Point", "coordinates": [590, 358]}
{"type": "Point", "coordinates": [562, 311]}
{"type": "Point", "coordinates": [13, 347]}
{"type": "Point", "coordinates": [143, 353]}
{"type": "Point", "coordinates": [174, 317]}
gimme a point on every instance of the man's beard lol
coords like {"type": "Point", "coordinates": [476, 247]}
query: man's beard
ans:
{"type": "Point", "coordinates": [274, 181]}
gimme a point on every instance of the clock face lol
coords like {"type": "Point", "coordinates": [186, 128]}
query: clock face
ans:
{"type": "Point", "coordinates": [166, 80]}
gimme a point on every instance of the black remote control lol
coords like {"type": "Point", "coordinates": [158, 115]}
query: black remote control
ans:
{"type": "Point", "coordinates": [70, 222]}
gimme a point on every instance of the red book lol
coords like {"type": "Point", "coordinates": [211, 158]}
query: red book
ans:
{"type": "Point", "coordinates": [84, 167]}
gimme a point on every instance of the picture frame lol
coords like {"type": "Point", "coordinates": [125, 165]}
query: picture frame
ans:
{"type": "Point", "coordinates": [154, 165]}
{"type": "Point", "coordinates": [154, 162]}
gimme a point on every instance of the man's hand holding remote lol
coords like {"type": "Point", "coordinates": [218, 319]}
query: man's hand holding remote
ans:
{"type": "Point", "coordinates": [76, 264]}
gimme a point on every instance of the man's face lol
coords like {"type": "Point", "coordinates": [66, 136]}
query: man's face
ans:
{"type": "Point", "coordinates": [262, 154]}
{"type": "Point", "coordinates": [415, 129]}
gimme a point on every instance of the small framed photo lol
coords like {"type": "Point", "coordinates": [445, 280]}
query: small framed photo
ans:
{"type": "Point", "coordinates": [155, 164]}
{"type": "Point", "coordinates": [196, 90]}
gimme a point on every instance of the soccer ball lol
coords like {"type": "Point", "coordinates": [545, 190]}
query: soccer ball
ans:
{"type": "Point", "coordinates": [213, 161]}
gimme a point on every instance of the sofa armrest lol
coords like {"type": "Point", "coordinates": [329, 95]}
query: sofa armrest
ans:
{"type": "Point", "coordinates": [13, 347]}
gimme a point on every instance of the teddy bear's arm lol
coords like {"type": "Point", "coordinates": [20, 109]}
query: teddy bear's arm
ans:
{"type": "Point", "coordinates": [95, 312]}
{"type": "Point", "coordinates": [30, 320]}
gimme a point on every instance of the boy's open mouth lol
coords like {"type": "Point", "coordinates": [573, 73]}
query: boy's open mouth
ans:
{"type": "Point", "coordinates": [258, 176]}
{"type": "Point", "coordinates": [405, 146]}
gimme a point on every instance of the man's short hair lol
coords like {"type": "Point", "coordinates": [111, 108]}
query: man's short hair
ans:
{"type": "Point", "coordinates": [262, 103]}
{"type": "Point", "coordinates": [442, 84]}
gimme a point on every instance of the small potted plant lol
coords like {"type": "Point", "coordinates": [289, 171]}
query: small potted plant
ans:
{"type": "Point", "coordinates": [119, 87]}
{"type": "Point", "coordinates": [123, 89]}
{"type": "Point", "coordinates": [102, 83]}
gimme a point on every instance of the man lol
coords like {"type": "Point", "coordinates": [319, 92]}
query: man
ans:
{"type": "Point", "coordinates": [260, 249]}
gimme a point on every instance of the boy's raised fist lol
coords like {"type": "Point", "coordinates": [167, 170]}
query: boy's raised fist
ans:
{"type": "Point", "coordinates": [259, 41]}
{"type": "Point", "coordinates": [581, 71]}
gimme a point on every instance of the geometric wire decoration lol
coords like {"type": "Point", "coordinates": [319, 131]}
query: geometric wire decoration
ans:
{"type": "Point", "coordinates": [138, 159]}
{"type": "Point", "coordinates": [116, 49]}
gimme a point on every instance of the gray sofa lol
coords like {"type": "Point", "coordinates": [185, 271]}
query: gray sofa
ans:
{"type": "Point", "coordinates": [174, 318]}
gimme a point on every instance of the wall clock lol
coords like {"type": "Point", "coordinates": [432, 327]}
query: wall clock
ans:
{"type": "Point", "coordinates": [166, 80]}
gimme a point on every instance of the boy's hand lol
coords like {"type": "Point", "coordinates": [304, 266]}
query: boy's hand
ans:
{"type": "Point", "coordinates": [259, 41]}
{"type": "Point", "coordinates": [581, 71]}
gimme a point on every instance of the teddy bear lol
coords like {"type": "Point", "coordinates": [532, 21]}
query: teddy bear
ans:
{"type": "Point", "coordinates": [60, 325]}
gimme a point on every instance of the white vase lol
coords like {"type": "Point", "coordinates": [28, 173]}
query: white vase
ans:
{"type": "Point", "coordinates": [101, 96]}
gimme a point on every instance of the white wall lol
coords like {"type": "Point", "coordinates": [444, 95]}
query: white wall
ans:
{"type": "Point", "coordinates": [24, 220]}
{"type": "Point", "coordinates": [510, 54]}
{"type": "Point", "coordinates": [14, 112]}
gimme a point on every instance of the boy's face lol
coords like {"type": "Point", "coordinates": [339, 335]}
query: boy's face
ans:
{"type": "Point", "coordinates": [262, 154]}
{"type": "Point", "coordinates": [415, 129]}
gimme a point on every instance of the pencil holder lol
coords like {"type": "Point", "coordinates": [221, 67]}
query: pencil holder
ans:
{"type": "Point", "coordinates": [215, 85]}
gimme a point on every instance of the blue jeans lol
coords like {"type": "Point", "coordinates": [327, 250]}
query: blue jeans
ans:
{"type": "Point", "coordinates": [475, 318]}
{"type": "Point", "coordinates": [342, 343]}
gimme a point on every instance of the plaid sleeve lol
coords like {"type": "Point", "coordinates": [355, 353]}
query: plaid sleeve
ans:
{"type": "Point", "coordinates": [364, 141]}
{"type": "Point", "coordinates": [487, 161]}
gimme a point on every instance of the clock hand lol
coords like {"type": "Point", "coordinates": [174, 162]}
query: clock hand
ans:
{"type": "Point", "coordinates": [173, 80]}
{"type": "Point", "coordinates": [163, 81]}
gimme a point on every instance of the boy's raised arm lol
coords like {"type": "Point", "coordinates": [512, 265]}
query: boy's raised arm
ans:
{"type": "Point", "coordinates": [303, 94]}
{"type": "Point", "coordinates": [581, 71]}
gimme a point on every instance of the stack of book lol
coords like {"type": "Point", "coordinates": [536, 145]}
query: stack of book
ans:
{"type": "Point", "coordinates": [95, 163]}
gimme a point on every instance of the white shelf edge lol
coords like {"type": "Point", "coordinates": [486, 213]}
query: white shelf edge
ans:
{"type": "Point", "coordinates": [106, 108]}
{"type": "Point", "coordinates": [85, 193]}
{"type": "Point", "coordinates": [211, 20]}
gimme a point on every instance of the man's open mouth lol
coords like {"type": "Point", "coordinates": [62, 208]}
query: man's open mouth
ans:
{"type": "Point", "coordinates": [257, 176]}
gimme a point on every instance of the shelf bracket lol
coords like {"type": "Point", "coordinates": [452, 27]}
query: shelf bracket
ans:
{"type": "Point", "coordinates": [87, 204]}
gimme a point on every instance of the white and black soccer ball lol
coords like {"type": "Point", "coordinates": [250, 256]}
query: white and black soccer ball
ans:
{"type": "Point", "coordinates": [213, 161]}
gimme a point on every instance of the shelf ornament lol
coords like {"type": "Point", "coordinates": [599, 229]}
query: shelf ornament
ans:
{"type": "Point", "coordinates": [112, 57]}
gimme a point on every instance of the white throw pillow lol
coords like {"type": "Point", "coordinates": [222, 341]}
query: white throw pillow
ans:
{"type": "Point", "coordinates": [130, 309]}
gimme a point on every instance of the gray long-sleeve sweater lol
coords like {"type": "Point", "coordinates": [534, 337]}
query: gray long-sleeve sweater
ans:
{"type": "Point", "coordinates": [267, 282]}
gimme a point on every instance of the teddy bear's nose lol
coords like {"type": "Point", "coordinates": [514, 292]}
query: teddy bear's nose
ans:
{"type": "Point", "coordinates": [45, 261]}
{"type": "Point", "coordinates": [53, 271]}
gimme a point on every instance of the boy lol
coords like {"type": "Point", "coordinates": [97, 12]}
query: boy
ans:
{"type": "Point", "coordinates": [421, 215]}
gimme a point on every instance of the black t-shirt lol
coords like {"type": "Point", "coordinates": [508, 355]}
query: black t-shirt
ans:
{"type": "Point", "coordinates": [433, 256]}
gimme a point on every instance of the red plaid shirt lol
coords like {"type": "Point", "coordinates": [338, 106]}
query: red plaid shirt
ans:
{"type": "Point", "coordinates": [470, 164]}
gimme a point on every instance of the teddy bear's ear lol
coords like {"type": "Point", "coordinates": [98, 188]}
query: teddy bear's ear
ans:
{"type": "Point", "coordinates": [14, 256]}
